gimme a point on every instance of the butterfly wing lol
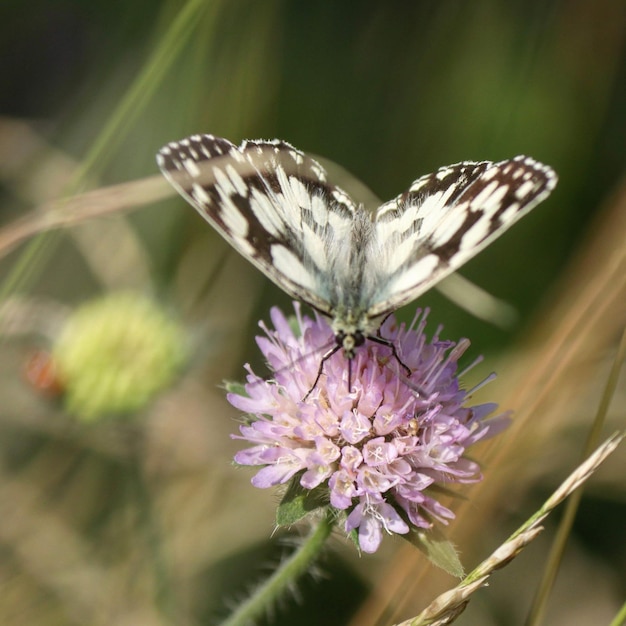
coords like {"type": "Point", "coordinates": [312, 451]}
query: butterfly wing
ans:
{"type": "Point", "coordinates": [446, 218]}
{"type": "Point", "coordinates": [272, 203]}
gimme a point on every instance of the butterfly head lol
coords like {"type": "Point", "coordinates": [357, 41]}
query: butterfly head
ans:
{"type": "Point", "coordinates": [351, 329]}
{"type": "Point", "coordinates": [349, 341]}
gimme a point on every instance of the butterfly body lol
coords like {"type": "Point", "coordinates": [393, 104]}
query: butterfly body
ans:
{"type": "Point", "coordinates": [275, 205]}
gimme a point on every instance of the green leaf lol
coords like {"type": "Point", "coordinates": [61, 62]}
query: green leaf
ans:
{"type": "Point", "coordinates": [298, 502]}
{"type": "Point", "coordinates": [439, 550]}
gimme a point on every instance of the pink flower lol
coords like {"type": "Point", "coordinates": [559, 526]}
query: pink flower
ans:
{"type": "Point", "coordinates": [378, 446]}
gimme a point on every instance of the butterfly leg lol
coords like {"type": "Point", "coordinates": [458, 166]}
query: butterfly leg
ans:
{"type": "Point", "coordinates": [323, 360]}
{"type": "Point", "coordinates": [386, 342]}
{"type": "Point", "coordinates": [413, 386]}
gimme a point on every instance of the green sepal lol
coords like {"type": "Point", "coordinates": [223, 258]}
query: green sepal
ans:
{"type": "Point", "coordinates": [438, 549]}
{"type": "Point", "coordinates": [294, 325]}
{"type": "Point", "coordinates": [353, 535]}
{"type": "Point", "coordinates": [298, 502]}
{"type": "Point", "coordinates": [233, 386]}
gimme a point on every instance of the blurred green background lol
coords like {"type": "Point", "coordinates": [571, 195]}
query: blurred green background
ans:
{"type": "Point", "coordinates": [388, 90]}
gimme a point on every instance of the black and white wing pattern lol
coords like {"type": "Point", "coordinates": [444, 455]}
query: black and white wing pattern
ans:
{"type": "Point", "coordinates": [446, 218]}
{"type": "Point", "coordinates": [273, 204]}
{"type": "Point", "coordinates": [276, 207]}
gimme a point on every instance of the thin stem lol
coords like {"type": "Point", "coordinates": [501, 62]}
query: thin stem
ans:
{"type": "Point", "coordinates": [138, 95]}
{"type": "Point", "coordinates": [265, 596]}
{"type": "Point", "coordinates": [540, 602]}
{"type": "Point", "coordinates": [130, 107]}
{"type": "Point", "coordinates": [620, 618]}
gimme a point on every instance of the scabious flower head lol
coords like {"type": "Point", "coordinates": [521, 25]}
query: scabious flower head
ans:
{"type": "Point", "coordinates": [378, 446]}
{"type": "Point", "coordinates": [115, 353]}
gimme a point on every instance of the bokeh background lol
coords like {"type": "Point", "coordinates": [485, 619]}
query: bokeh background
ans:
{"type": "Point", "coordinates": [140, 518]}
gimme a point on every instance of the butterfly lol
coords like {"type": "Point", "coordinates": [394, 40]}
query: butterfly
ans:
{"type": "Point", "coordinates": [276, 207]}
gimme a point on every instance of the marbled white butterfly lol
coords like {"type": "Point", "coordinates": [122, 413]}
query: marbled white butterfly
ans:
{"type": "Point", "coordinates": [275, 206]}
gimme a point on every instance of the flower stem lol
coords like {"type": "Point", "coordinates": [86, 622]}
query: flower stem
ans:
{"type": "Point", "coordinates": [267, 593]}
{"type": "Point", "coordinates": [620, 618]}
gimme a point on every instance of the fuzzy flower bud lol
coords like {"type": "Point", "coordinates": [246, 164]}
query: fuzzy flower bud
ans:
{"type": "Point", "coordinates": [115, 353]}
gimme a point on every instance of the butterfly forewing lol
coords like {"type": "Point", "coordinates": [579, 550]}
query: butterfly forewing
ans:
{"type": "Point", "coordinates": [272, 203]}
{"type": "Point", "coordinates": [446, 218]}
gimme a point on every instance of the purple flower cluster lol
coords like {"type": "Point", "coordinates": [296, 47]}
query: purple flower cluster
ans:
{"type": "Point", "coordinates": [379, 445]}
